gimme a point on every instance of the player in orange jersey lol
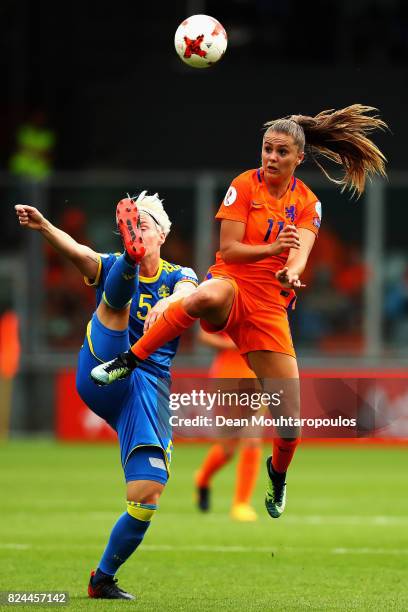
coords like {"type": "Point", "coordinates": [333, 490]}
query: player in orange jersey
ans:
{"type": "Point", "coordinates": [228, 363]}
{"type": "Point", "coordinates": [269, 222]}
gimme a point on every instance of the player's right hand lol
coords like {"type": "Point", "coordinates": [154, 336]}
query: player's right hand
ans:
{"type": "Point", "coordinates": [287, 239]}
{"type": "Point", "coordinates": [28, 216]}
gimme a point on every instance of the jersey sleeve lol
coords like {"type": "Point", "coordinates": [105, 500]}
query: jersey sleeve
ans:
{"type": "Point", "coordinates": [237, 201]}
{"type": "Point", "coordinates": [106, 261]}
{"type": "Point", "coordinates": [183, 275]}
{"type": "Point", "coordinates": [311, 217]}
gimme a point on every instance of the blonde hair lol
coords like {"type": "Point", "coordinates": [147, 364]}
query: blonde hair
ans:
{"type": "Point", "coordinates": [341, 136]}
{"type": "Point", "coordinates": [153, 206]}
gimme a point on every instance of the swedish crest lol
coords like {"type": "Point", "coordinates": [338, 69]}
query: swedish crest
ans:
{"type": "Point", "coordinates": [163, 291]}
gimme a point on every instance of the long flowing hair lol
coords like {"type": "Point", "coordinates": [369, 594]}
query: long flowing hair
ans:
{"type": "Point", "coordinates": [341, 136]}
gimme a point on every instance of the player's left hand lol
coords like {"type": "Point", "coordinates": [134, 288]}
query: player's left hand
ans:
{"type": "Point", "coordinates": [155, 313]}
{"type": "Point", "coordinates": [288, 279]}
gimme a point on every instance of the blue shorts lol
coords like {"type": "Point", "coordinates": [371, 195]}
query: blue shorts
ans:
{"type": "Point", "coordinates": [137, 407]}
{"type": "Point", "coordinates": [146, 463]}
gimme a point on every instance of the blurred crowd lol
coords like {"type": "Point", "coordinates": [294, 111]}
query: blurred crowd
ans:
{"type": "Point", "coordinates": [69, 302]}
{"type": "Point", "coordinates": [330, 311]}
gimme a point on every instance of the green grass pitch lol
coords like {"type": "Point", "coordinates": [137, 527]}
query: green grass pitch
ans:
{"type": "Point", "coordinates": [342, 543]}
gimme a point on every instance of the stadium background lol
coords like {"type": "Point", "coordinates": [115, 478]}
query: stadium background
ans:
{"type": "Point", "coordinates": [125, 115]}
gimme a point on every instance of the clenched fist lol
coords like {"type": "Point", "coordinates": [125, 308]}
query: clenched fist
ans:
{"type": "Point", "coordinates": [29, 216]}
{"type": "Point", "coordinates": [287, 239]}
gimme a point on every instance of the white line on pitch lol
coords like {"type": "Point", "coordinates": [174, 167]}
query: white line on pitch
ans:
{"type": "Point", "coordinates": [370, 551]}
{"type": "Point", "coordinates": [347, 520]}
{"type": "Point", "coordinates": [283, 549]}
{"type": "Point", "coordinates": [218, 549]}
{"type": "Point", "coordinates": [294, 519]}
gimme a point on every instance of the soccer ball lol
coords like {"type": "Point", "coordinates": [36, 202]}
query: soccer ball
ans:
{"type": "Point", "coordinates": [200, 41]}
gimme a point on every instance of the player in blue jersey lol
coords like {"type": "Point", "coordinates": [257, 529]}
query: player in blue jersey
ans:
{"type": "Point", "coordinates": [132, 290]}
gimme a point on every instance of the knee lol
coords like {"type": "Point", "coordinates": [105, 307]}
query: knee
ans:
{"type": "Point", "coordinates": [144, 492]}
{"type": "Point", "coordinates": [203, 300]}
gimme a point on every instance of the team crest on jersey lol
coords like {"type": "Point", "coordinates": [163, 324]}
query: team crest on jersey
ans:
{"type": "Point", "coordinates": [230, 196]}
{"type": "Point", "coordinates": [163, 291]}
{"type": "Point", "coordinates": [290, 212]}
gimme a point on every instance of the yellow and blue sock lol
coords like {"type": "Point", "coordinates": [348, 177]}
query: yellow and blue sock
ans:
{"type": "Point", "coordinates": [121, 283]}
{"type": "Point", "coordinates": [125, 537]}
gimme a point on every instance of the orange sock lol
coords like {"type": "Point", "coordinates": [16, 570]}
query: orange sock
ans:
{"type": "Point", "coordinates": [215, 459]}
{"type": "Point", "coordinates": [168, 326]}
{"type": "Point", "coordinates": [283, 451]}
{"type": "Point", "coordinates": [247, 473]}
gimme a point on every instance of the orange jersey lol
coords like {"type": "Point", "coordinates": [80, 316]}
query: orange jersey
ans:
{"type": "Point", "coordinates": [248, 201]}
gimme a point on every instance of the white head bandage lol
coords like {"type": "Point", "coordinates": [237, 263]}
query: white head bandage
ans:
{"type": "Point", "coordinates": [153, 206]}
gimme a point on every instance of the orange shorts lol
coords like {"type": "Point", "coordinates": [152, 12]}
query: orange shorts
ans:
{"type": "Point", "coordinates": [257, 326]}
{"type": "Point", "coordinates": [230, 364]}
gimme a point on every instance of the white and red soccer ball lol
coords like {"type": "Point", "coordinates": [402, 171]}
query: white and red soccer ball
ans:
{"type": "Point", "coordinates": [200, 41]}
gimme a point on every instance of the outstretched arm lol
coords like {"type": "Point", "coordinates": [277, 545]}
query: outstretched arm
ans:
{"type": "Point", "coordinates": [83, 257]}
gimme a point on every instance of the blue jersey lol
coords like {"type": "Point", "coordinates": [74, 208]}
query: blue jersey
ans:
{"type": "Point", "coordinates": [150, 291]}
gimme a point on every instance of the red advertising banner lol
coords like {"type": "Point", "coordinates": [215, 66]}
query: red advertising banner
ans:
{"type": "Point", "coordinates": [371, 406]}
{"type": "Point", "coordinates": [74, 421]}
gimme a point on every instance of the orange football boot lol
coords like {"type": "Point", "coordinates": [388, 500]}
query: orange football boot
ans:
{"type": "Point", "coordinates": [128, 222]}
